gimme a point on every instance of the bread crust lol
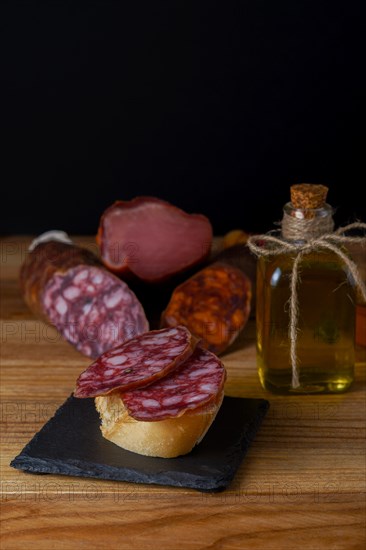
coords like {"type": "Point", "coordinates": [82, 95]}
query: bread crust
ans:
{"type": "Point", "coordinates": [164, 438]}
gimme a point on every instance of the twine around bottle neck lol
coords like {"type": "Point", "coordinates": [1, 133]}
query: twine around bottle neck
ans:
{"type": "Point", "coordinates": [303, 228]}
{"type": "Point", "coordinates": [271, 246]}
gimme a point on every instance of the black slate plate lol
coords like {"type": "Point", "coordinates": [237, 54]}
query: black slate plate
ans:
{"type": "Point", "coordinates": [71, 444]}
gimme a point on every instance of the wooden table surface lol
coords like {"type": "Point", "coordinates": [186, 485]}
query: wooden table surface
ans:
{"type": "Point", "coordinates": [302, 484]}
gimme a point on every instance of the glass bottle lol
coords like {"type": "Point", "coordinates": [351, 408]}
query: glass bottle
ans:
{"type": "Point", "coordinates": [326, 303]}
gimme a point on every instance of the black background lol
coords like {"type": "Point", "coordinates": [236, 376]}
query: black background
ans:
{"type": "Point", "coordinates": [216, 106]}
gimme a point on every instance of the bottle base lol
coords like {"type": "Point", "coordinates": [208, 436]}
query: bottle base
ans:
{"type": "Point", "coordinates": [282, 385]}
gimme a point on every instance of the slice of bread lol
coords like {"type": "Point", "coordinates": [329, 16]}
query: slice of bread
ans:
{"type": "Point", "coordinates": [164, 438]}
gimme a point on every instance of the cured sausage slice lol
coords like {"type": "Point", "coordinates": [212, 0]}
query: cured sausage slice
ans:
{"type": "Point", "coordinates": [152, 239]}
{"type": "Point", "coordinates": [214, 305]}
{"type": "Point", "coordinates": [197, 382]}
{"type": "Point", "coordinates": [68, 287]}
{"type": "Point", "coordinates": [137, 363]}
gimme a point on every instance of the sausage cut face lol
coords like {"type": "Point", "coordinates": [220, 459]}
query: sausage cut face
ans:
{"type": "Point", "coordinates": [152, 239]}
{"type": "Point", "coordinates": [92, 309]}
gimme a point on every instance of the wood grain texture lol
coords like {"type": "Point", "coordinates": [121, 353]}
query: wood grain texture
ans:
{"type": "Point", "coordinates": [302, 484]}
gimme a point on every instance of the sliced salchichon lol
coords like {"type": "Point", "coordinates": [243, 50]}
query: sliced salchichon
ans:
{"type": "Point", "coordinates": [158, 375]}
{"type": "Point", "coordinates": [137, 363]}
{"type": "Point", "coordinates": [196, 383]}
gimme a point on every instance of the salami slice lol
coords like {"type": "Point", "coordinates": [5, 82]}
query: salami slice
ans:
{"type": "Point", "coordinates": [152, 239]}
{"type": "Point", "coordinates": [68, 287]}
{"type": "Point", "coordinates": [137, 363]}
{"type": "Point", "coordinates": [214, 305]}
{"type": "Point", "coordinates": [196, 383]}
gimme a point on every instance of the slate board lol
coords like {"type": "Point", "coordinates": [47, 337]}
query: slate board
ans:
{"type": "Point", "coordinates": [71, 444]}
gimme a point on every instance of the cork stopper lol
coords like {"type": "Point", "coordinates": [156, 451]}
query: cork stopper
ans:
{"type": "Point", "coordinates": [308, 195]}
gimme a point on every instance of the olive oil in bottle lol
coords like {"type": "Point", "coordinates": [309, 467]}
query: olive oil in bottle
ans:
{"type": "Point", "coordinates": [325, 304]}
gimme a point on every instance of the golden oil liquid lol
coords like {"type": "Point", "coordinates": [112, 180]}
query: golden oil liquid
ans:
{"type": "Point", "coordinates": [326, 326]}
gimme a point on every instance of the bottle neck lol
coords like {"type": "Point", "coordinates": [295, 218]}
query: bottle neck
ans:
{"type": "Point", "coordinates": [304, 224]}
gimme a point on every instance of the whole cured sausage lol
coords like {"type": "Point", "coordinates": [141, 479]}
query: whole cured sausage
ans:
{"type": "Point", "coordinates": [214, 305]}
{"type": "Point", "coordinates": [152, 239]}
{"type": "Point", "coordinates": [68, 287]}
{"type": "Point", "coordinates": [136, 363]}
